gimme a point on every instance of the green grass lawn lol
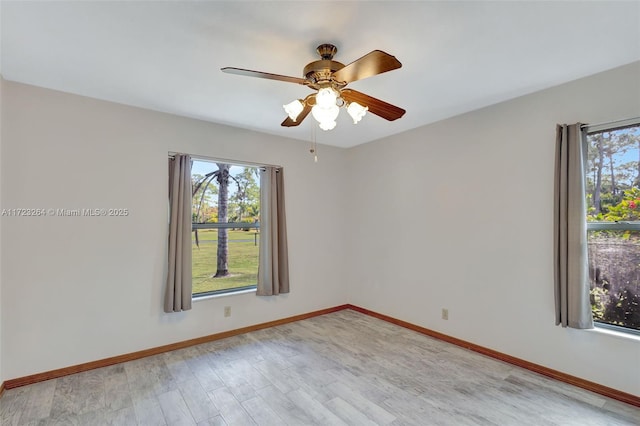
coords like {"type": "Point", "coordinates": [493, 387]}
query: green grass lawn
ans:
{"type": "Point", "coordinates": [243, 261]}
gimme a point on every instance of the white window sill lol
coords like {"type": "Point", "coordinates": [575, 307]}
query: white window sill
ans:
{"type": "Point", "coordinates": [216, 296]}
{"type": "Point", "coordinates": [614, 333]}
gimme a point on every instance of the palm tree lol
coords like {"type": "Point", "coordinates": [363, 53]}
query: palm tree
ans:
{"type": "Point", "coordinates": [222, 263]}
{"type": "Point", "coordinates": [222, 177]}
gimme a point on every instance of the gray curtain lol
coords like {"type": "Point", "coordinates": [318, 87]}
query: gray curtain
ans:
{"type": "Point", "coordinates": [178, 290]}
{"type": "Point", "coordinates": [273, 269]}
{"type": "Point", "coordinates": [573, 308]}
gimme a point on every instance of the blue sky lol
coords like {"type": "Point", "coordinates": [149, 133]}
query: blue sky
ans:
{"type": "Point", "coordinates": [631, 154]}
{"type": "Point", "coordinates": [203, 167]}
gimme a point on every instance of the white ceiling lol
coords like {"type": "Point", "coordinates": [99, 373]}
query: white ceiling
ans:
{"type": "Point", "coordinates": [456, 56]}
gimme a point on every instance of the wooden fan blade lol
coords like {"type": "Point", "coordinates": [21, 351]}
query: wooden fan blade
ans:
{"type": "Point", "coordinates": [288, 122]}
{"type": "Point", "coordinates": [376, 106]}
{"type": "Point", "coordinates": [373, 63]}
{"type": "Point", "coordinates": [260, 74]}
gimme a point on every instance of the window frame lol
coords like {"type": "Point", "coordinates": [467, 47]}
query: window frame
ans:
{"type": "Point", "coordinates": [225, 291]}
{"type": "Point", "coordinates": [612, 226]}
{"type": "Point", "coordinates": [228, 225]}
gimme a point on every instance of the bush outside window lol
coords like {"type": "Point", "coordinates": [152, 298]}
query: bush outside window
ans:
{"type": "Point", "coordinates": [613, 226]}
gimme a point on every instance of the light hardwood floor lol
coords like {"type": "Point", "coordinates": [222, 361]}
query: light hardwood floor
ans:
{"type": "Point", "coordinates": [336, 369]}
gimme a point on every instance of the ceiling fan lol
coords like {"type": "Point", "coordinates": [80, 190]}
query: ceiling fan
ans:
{"type": "Point", "coordinates": [329, 79]}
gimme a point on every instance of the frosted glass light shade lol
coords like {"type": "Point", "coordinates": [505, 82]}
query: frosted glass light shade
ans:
{"type": "Point", "coordinates": [356, 111]}
{"type": "Point", "coordinates": [326, 110]}
{"type": "Point", "coordinates": [326, 116]}
{"type": "Point", "coordinates": [326, 97]}
{"type": "Point", "coordinates": [293, 109]}
{"type": "Point", "coordinates": [327, 125]}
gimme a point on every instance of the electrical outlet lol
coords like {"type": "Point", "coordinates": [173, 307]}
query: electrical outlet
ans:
{"type": "Point", "coordinates": [445, 314]}
{"type": "Point", "coordinates": [227, 311]}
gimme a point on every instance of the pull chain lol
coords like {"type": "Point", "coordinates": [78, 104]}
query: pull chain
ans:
{"type": "Point", "coordinates": [314, 145]}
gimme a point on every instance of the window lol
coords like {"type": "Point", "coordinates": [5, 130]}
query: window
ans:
{"type": "Point", "coordinates": [225, 223]}
{"type": "Point", "coordinates": [613, 224]}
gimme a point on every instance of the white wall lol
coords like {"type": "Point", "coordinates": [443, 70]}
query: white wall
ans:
{"type": "Point", "coordinates": [78, 289]}
{"type": "Point", "coordinates": [1, 221]}
{"type": "Point", "coordinates": [458, 215]}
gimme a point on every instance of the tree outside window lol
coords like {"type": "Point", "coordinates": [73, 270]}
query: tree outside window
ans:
{"type": "Point", "coordinates": [613, 216]}
{"type": "Point", "coordinates": [225, 220]}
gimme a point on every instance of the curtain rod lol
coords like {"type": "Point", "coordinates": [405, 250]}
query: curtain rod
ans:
{"type": "Point", "coordinates": [227, 161]}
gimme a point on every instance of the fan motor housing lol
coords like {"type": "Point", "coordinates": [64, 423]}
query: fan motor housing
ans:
{"type": "Point", "coordinates": [320, 71]}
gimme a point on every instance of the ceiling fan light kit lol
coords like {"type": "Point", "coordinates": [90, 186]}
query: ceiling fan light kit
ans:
{"type": "Point", "coordinates": [329, 78]}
